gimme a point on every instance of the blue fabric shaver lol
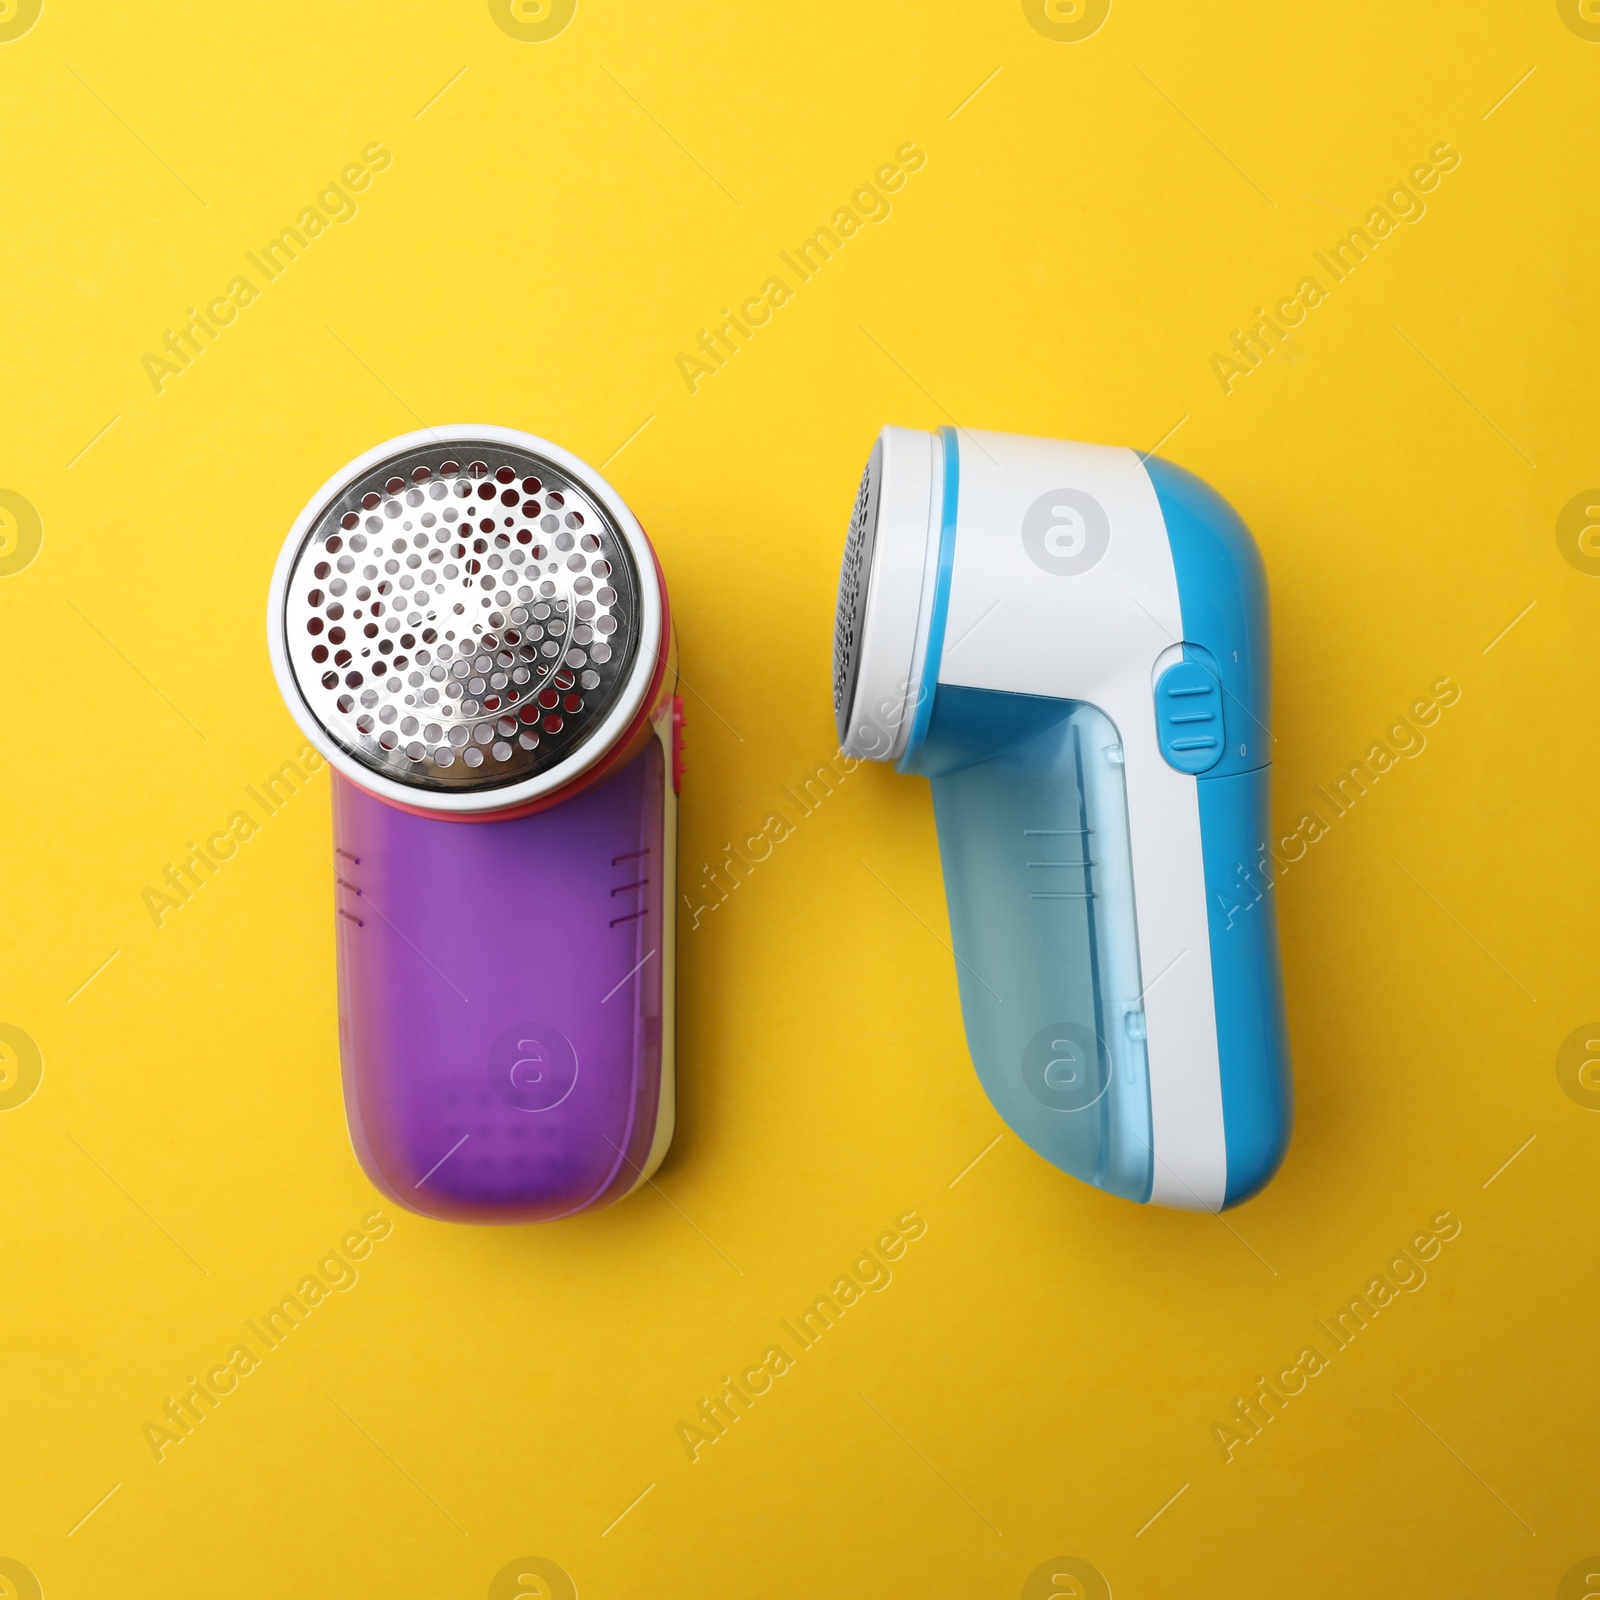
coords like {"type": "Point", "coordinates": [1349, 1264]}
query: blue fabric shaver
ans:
{"type": "Point", "coordinates": [1070, 641]}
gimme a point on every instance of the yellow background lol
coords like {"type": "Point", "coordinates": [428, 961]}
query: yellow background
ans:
{"type": "Point", "coordinates": [1045, 1369]}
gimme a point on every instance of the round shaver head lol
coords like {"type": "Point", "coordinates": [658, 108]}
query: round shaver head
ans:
{"type": "Point", "coordinates": [885, 591]}
{"type": "Point", "coordinates": [854, 571]}
{"type": "Point", "coordinates": [465, 619]}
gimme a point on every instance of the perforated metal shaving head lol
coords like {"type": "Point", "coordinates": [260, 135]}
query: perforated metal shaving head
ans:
{"type": "Point", "coordinates": [855, 570]}
{"type": "Point", "coordinates": [880, 629]}
{"type": "Point", "coordinates": [464, 613]}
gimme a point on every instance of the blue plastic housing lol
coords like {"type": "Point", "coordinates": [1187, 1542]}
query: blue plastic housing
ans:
{"type": "Point", "coordinates": [1032, 813]}
{"type": "Point", "coordinates": [1222, 592]}
{"type": "Point", "coordinates": [1031, 806]}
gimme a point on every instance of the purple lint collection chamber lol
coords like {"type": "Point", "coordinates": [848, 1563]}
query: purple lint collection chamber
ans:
{"type": "Point", "coordinates": [472, 628]}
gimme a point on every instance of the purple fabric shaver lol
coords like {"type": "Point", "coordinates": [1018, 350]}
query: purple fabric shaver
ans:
{"type": "Point", "coordinates": [472, 628]}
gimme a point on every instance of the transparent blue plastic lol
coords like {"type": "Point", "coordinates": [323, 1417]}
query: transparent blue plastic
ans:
{"type": "Point", "coordinates": [1032, 811]}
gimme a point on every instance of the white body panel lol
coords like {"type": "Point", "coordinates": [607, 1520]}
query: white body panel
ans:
{"type": "Point", "coordinates": [1094, 636]}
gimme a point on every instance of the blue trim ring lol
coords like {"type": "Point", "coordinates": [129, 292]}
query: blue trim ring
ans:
{"type": "Point", "coordinates": [933, 655]}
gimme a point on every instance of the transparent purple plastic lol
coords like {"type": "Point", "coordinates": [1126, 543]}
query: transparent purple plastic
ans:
{"type": "Point", "coordinates": [500, 993]}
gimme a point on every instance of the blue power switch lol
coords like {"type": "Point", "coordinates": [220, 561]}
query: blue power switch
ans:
{"type": "Point", "coordinates": [1189, 716]}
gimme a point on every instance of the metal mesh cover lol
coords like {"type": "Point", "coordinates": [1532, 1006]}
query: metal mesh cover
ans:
{"type": "Point", "coordinates": [853, 576]}
{"type": "Point", "coordinates": [462, 616]}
